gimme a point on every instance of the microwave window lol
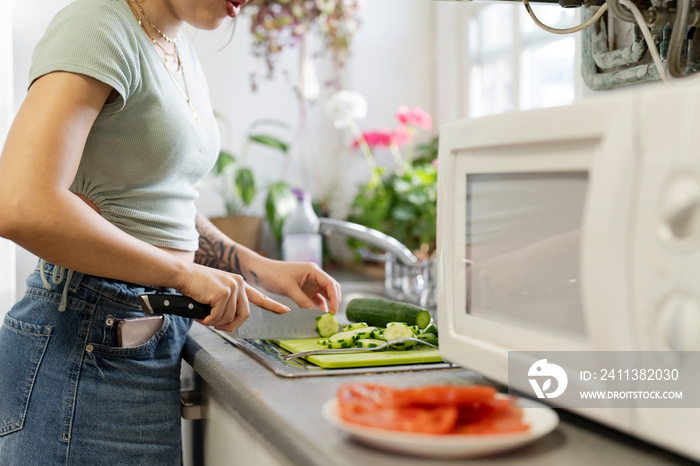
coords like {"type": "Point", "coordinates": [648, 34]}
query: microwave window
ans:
{"type": "Point", "coordinates": [522, 249]}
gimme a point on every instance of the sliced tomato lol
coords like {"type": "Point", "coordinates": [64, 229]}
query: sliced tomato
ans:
{"type": "Point", "coordinates": [499, 421]}
{"type": "Point", "coordinates": [439, 395]}
{"type": "Point", "coordinates": [375, 394]}
{"type": "Point", "coordinates": [440, 420]}
{"type": "Point", "coordinates": [438, 409]}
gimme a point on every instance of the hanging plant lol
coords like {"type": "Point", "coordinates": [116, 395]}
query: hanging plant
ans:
{"type": "Point", "coordinates": [280, 24]}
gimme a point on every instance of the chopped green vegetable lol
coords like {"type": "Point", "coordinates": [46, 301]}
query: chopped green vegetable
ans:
{"type": "Point", "coordinates": [327, 325]}
{"type": "Point", "coordinates": [379, 312]}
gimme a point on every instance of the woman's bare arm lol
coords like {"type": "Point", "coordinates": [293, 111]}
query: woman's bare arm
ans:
{"type": "Point", "coordinates": [37, 166]}
{"type": "Point", "coordinates": [303, 282]}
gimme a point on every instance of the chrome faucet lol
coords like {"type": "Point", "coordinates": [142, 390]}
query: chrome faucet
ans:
{"type": "Point", "coordinates": [329, 226]}
{"type": "Point", "coordinates": [406, 278]}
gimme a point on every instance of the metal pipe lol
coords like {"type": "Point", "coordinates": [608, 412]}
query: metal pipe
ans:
{"type": "Point", "coordinates": [598, 81]}
{"type": "Point", "coordinates": [607, 59]}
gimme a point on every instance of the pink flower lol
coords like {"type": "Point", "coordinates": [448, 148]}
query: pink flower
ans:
{"type": "Point", "coordinates": [400, 136]}
{"type": "Point", "coordinates": [376, 138]}
{"type": "Point", "coordinates": [415, 116]}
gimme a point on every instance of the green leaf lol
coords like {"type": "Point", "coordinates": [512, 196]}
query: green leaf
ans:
{"type": "Point", "coordinates": [280, 202]}
{"type": "Point", "coordinates": [245, 185]}
{"type": "Point", "coordinates": [270, 141]}
{"type": "Point", "coordinates": [269, 122]}
{"type": "Point", "coordinates": [224, 160]}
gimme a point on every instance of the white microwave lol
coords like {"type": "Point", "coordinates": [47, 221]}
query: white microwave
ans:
{"type": "Point", "coordinates": [575, 228]}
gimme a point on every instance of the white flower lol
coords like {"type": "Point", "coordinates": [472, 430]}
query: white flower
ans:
{"type": "Point", "coordinates": [344, 106]}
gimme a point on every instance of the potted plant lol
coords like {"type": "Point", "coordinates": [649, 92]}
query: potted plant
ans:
{"type": "Point", "coordinates": [238, 187]}
{"type": "Point", "coordinates": [401, 202]}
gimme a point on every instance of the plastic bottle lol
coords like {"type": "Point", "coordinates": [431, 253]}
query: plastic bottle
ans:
{"type": "Point", "coordinates": [300, 239]}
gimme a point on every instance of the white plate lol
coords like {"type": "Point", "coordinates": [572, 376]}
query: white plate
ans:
{"type": "Point", "coordinates": [541, 418]}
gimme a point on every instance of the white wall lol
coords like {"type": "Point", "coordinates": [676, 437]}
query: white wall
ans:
{"type": "Point", "coordinates": [392, 64]}
{"type": "Point", "coordinates": [7, 249]}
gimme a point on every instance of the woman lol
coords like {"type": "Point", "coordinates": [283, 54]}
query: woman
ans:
{"type": "Point", "coordinates": [96, 178]}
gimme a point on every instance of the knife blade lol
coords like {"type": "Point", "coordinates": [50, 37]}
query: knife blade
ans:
{"type": "Point", "coordinates": [262, 324]}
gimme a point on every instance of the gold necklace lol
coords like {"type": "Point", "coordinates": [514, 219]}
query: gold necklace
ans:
{"type": "Point", "coordinates": [162, 34]}
{"type": "Point", "coordinates": [186, 93]}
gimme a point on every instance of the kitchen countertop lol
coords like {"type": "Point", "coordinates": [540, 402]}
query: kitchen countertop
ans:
{"type": "Point", "coordinates": [287, 412]}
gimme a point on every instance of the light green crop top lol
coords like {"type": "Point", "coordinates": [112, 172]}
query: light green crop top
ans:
{"type": "Point", "coordinates": [146, 151]}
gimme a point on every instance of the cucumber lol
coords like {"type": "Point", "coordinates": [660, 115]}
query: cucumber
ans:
{"type": "Point", "coordinates": [342, 340]}
{"type": "Point", "coordinates": [389, 324]}
{"type": "Point", "coordinates": [404, 345]}
{"type": "Point", "coordinates": [379, 312]}
{"type": "Point", "coordinates": [430, 329]}
{"type": "Point", "coordinates": [369, 343]}
{"type": "Point", "coordinates": [429, 338]}
{"type": "Point", "coordinates": [354, 326]}
{"type": "Point", "coordinates": [363, 332]}
{"type": "Point", "coordinates": [327, 325]}
{"type": "Point", "coordinates": [397, 331]}
{"type": "Point", "coordinates": [415, 329]}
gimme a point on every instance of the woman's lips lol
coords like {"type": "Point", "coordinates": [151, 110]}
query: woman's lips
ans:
{"type": "Point", "coordinates": [234, 8]}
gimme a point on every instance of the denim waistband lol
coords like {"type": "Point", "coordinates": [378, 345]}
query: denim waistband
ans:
{"type": "Point", "coordinates": [71, 280]}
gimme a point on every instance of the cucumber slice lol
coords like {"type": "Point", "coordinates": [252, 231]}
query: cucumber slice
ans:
{"type": "Point", "coordinates": [430, 329]}
{"type": "Point", "coordinates": [415, 329]}
{"type": "Point", "coordinates": [380, 312]}
{"type": "Point", "coordinates": [369, 343]}
{"type": "Point", "coordinates": [342, 340]}
{"type": "Point", "coordinates": [340, 344]}
{"type": "Point", "coordinates": [429, 338]}
{"type": "Point", "coordinates": [404, 345]}
{"type": "Point", "coordinates": [354, 326]}
{"type": "Point", "coordinates": [323, 342]}
{"type": "Point", "coordinates": [327, 325]}
{"type": "Point", "coordinates": [364, 332]}
{"type": "Point", "coordinates": [398, 331]}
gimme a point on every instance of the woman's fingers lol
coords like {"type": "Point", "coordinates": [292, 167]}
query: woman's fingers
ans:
{"type": "Point", "coordinates": [265, 302]}
{"type": "Point", "coordinates": [228, 300]}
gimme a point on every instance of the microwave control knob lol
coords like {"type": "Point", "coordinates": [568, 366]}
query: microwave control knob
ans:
{"type": "Point", "coordinates": [681, 206]}
{"type": "Point", "coordinates": [680, 323]}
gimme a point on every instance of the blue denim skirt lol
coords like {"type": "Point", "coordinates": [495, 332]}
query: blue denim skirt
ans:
{"type": "Point", "coordinates": [69, 394]}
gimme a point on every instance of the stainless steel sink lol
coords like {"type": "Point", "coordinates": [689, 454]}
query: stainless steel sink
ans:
{"type": "Point", "coordinates": [270, 354]}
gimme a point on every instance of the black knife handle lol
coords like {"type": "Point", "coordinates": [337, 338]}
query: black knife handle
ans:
{"type": "Point", "coordinates": [174, 304]}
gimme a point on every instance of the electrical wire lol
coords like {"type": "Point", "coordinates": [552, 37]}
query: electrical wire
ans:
{"type": "Point", "coordinates": [653, 50]}
{"type": "Point", "coordinates": [675, 44]}
{"type": "Point", "coordinates": [570, 30]}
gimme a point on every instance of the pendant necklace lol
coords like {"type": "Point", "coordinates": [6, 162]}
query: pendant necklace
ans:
{"type": "Point", "coordinates": [175, 53]}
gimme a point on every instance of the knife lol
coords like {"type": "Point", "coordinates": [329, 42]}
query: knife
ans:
{"type": "Point", "coordinates": [262, 324]}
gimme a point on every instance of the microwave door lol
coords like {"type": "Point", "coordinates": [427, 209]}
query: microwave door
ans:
{"type": "Point", "coordinates": [523, 247]}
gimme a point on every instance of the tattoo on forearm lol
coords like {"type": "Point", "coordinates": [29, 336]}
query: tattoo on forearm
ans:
{"type": "Point", "coordinates": [255, 277]}
{"type": "Point", "coordinates": [216, 249]}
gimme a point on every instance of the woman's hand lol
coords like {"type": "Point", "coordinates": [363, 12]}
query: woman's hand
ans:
{"type": "Point", "coordinates": [303, 282]}
{"type": "Point", "coordinates": [227, 294]}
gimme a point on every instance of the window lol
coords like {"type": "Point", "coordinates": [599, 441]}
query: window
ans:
{"type": "Point", "coordinates": [515, 65]}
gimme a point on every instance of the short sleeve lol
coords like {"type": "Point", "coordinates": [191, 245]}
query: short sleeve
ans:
{"type": "Point", "coordinates": [93, 38]}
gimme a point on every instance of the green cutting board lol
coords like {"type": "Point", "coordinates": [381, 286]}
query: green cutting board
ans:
{"type": "Point", "coordinates": [372, 358]}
